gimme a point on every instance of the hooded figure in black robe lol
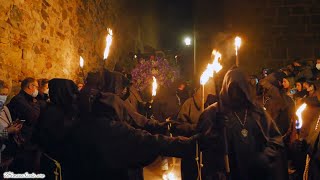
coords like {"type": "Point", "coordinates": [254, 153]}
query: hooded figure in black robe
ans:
{"type": "Point", "coordinates": [279, 105]}
{"type": "Point", "coordinates": [53, 131]}
{"type": "Point", "coordinates": [188, 118]}
{"type": "Point", "coordinates": [119, 140]}
{"type": "Point", "coordinates": [308, 167]}
{"type": "Point", "coordinates": [190, 111]}
{"type": "Point", "coordinates": [312, 170]}
{"type": "Point", "coordinates": [255, 144]}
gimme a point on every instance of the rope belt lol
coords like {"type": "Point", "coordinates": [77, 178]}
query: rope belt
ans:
{"type": "Point", "coordinates": [199, 161]}
{"type": "Point", "coordinates": [306, 169]}
{"type": "Point", "coordinates": [57, 171]}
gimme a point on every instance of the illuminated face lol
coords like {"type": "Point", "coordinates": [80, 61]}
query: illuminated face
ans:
{"type": "Point", "coordinates": [34, 86]}
{"type": "Point", "coordinates": [285, 83]}
{"type": "Point", "coordinates": [4, 91]}
{"type": "Point", "coordinates": [299, 86]}
{"type": "Point", "coordinates": [80, 86]}
{"type": "Point", "coordinates": [44, 89]}
{"type": "Point", "coordinates": [305, 85]}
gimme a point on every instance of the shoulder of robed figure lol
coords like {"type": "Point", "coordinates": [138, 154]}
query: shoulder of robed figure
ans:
{"type": "Point", "coordinates": [211, 110]}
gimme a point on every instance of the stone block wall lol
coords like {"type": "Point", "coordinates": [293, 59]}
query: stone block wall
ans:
{"type": "Point", "coordinates": [44, 38]}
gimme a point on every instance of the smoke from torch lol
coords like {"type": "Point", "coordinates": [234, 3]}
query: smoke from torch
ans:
{"type": "Point", "coordinates": [108, 44]}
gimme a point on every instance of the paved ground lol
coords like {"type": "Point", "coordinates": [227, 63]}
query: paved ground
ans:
{"type": "Point", "coordinates": [157, 169]}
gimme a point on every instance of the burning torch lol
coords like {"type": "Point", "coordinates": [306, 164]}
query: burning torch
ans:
{"type": "Point", "coordinates": [237, 43]}
{"type": "Point", "coordinates": [106, 49]}
{"type": "Point", "coordinates": [153, 93]}
{"type": "Point", "coordinates": [81, 63]}
{"type": "Point", "coordinates": [108, 44]}
{"type": "Point", "coordinates": [299, 121]}
{"type": "Point", "coordinates": [206, 75]}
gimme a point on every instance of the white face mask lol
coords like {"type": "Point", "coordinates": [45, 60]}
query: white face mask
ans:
{"type": "Point", "coordinates": [3, 99]}
{"type": "Point", "coordinates": [318, 66]}
{"type": "Point", "coordinates": [310, 88]}
{"type": "Point", "coordinates": [46, 91]}
{"type": "Point", "coordinates": [35, 93]}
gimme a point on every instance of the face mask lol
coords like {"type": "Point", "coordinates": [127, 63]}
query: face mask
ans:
{"type": "Point", "coordinates": [310, 88]}
{"type": "Point", "coordinates": [2, 100]}
{"type": "Point", "coordinates": [46, 91]}
{"type": "Point", "coordinates": [318, 66]}
{"type": "Point", "coordinates": [35, 93]}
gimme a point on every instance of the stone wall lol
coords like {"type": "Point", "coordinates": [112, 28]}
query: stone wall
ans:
{"type": "Point", "coordinates": [44, 38]}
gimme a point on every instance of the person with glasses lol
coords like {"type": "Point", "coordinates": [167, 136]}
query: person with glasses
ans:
{"type": "Point", "coordinates": [25, 108]}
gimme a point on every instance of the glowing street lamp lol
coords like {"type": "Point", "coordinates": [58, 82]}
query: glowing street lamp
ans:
{"type": "Point", "coordinates": [187, 41]}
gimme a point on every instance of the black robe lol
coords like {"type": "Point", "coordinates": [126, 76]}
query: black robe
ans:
{"type": "Point", "coordinates": [311, 132]}
{"type": "Point", "coordinates": [188, 118]}
{"type": "Point", "coordinates": [114, 120]}
{"type": "Point", "coordinates": [114, 142]}
{"type": "Point", "coordinates": [279, 105]}
{"type": "Point", "coordinates": [257, 156]}
{"type": "Point", "coordinates": [54, 129]}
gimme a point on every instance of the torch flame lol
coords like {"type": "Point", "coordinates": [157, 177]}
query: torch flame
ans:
{"type": "Point", "coordinates": [237, 43]}
{"type": "Point", "coordinates": [154, 86]}
{"type": "Point", "coordinates": [211, 68]}
{"type": "Point", "coordinates": [299, 114]}
{"type": "Point", "coordinates": [81, 62]}
{"type": "Point", "coordinates": [169, 176]}
{"type": "Point", "coordinates": [108, 44]}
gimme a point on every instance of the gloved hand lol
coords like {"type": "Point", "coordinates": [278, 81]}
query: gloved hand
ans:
{"type": "Point", "coordinates": [299, 145]}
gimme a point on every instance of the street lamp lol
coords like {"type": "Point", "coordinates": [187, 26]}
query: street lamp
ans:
{"type": "Point", "coordinates": [187, 41]}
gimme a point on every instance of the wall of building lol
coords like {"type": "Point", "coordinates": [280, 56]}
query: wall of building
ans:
{"type": "Point", "coordinates": [275, 31]}
{"type": "Point", "coordinates": [44, 38]}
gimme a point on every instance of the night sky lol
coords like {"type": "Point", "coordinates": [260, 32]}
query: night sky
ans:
{"type": "Point", "coordinates": [176, 21]}
{"type": "Point", "coordinates": [178, 17]}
